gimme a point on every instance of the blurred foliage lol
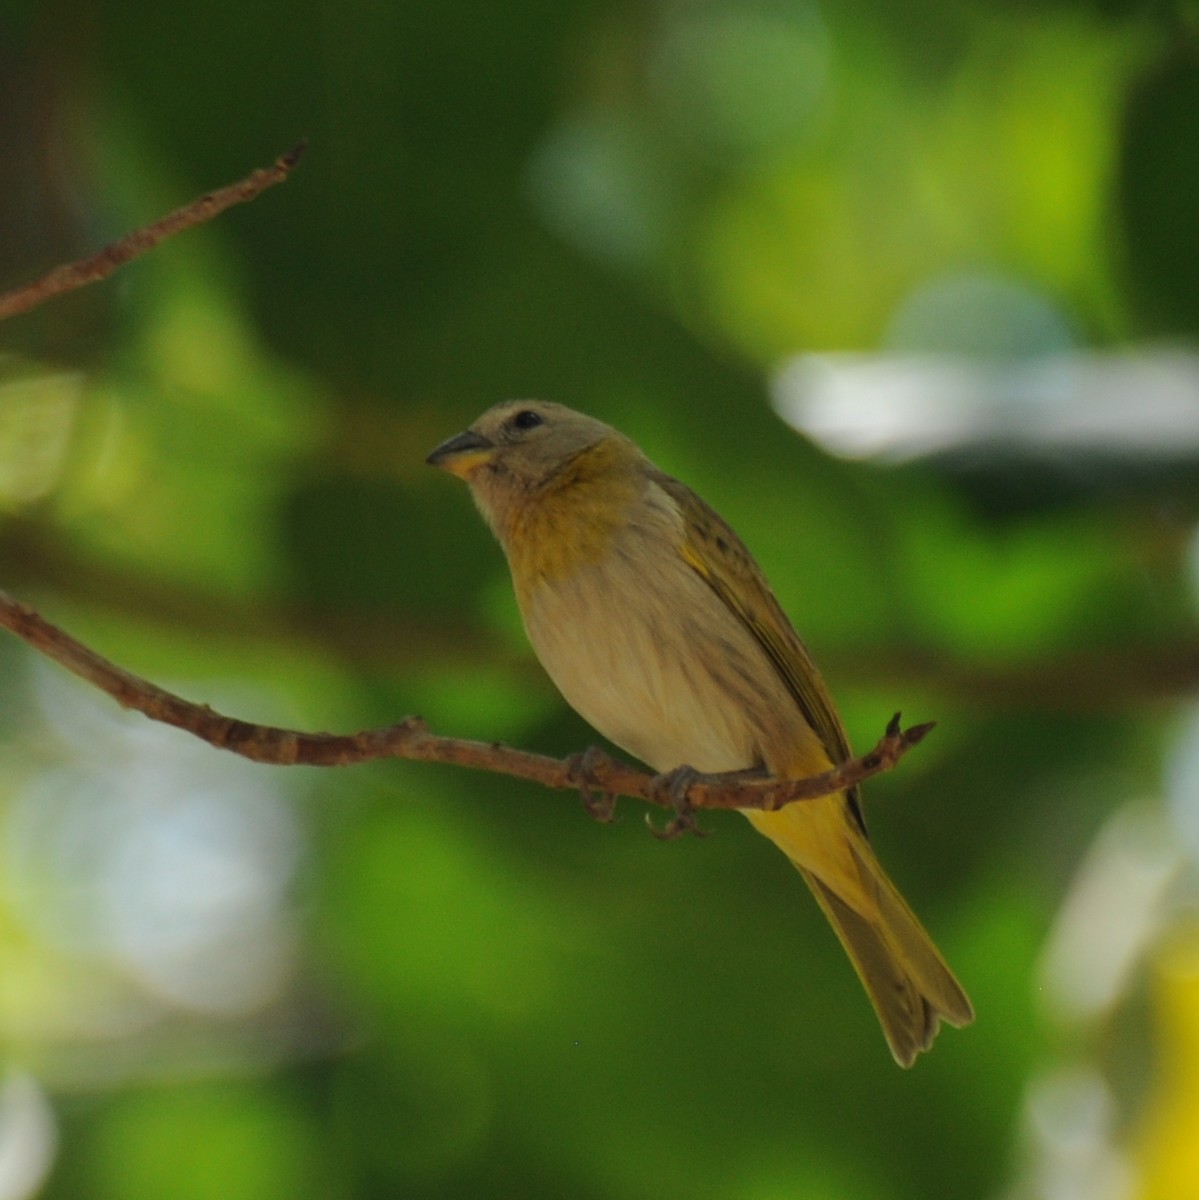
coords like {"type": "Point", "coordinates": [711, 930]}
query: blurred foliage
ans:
{"type": "Point", "coordinates": [222, 980]}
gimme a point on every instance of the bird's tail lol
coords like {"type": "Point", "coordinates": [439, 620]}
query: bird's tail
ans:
{"type": "Point", "coordinates": [906, 978]}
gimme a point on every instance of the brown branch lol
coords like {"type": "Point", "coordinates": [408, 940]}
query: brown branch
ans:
{"type": "Point", "coordinates": [69, 276]}
{"type": "Point", "coordinates": [594, 771]}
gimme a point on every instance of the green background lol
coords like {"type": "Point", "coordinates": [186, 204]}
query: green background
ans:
{"type": "Point", "coordinates": [240, 982]}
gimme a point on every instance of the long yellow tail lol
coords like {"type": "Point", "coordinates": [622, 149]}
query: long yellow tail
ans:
{"type": "Point", "coordinates": [906, 978]}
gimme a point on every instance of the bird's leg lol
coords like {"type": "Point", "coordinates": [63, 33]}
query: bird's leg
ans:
{"type": "Point", "coordinates": [583, 770]}
{"type": "Point", "coordinates": [671, 787]}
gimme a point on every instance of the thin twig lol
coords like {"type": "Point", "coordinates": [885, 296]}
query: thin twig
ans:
{"type": "Point", "coordinates": [69, 276]}
{"type": "Point", "coordinates": [594, 771]}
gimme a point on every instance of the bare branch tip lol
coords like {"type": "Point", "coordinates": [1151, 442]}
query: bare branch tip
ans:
{"type": "Point", "coordinates": [918, 733]}
{"type": "Point", "coordinates": [288, 160]}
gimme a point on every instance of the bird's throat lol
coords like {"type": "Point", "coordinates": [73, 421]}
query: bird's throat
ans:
{"type": "Point", "coordinates": [571, 522]}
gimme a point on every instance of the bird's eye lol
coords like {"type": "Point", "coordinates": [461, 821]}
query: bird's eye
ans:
{"type": "Point", "coordinates": [527, 419]}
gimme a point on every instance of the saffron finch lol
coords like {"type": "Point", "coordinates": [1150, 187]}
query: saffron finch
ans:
{"type": "Point", "coordinates": [659, 628]}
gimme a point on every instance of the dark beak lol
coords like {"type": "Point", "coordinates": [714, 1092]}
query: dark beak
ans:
{"type": "Point", "coordinates": [462, 453]}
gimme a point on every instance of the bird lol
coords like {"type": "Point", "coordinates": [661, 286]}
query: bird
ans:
{"type": "Point", "coordinates": [658, 627]}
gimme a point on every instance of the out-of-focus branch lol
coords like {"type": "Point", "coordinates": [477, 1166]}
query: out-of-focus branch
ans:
{"type": "Point", "coordinates": [1100, 679]}
{"type": "Point", "coordinates": [94, 267]}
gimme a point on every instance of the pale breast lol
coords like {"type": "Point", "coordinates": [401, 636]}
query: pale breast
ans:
{"type": "Point", "coordinates": [643, 649]}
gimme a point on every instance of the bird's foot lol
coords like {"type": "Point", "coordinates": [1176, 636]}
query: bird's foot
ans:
{"type": "Point", "coordinates": [583, 771]}
{"type": "Point", "coordinates": [671, 788]}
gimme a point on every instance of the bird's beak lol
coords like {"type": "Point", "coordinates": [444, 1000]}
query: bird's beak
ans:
{"type": "Point", "coordinates": [461, 454]}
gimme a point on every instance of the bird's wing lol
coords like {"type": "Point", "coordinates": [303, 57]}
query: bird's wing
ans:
{"type": "Point", "coordinates": [721, 559]}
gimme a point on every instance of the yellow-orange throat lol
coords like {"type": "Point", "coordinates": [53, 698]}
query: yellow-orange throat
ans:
{"type": "Point", "coordinates": [571, 521]}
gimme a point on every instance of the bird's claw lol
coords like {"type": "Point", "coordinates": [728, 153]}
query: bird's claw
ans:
{"type": "Point", "coordinates": [599, 804]}
{"type": "Point", "coordinates": [672, 788]}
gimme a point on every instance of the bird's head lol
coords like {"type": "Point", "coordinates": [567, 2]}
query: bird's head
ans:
{"type": "Point", "coordinates": [528, 450]}
{"type": "Point", "coordinates": [529, 441]}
